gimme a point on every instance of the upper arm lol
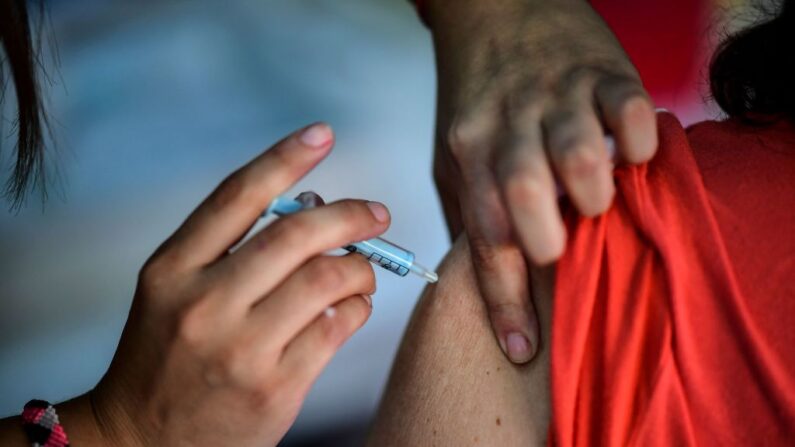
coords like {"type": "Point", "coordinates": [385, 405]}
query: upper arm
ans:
{"type": "Point", "coordinates": [451, 384]}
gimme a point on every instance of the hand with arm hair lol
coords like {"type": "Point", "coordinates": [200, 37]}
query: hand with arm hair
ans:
{"type": "Point", "coordinates": [527, 90]}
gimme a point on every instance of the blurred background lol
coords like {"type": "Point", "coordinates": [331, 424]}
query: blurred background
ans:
{"type": "Point", "coordinates": [154, 102]}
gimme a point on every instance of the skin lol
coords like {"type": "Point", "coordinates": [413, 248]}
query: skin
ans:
{"type": "Point", "coordinates": [527, 89]}
{"type": "Point", "coordinates": [221, 346]}
{"type": "Point", "coordinates": [451, 384]}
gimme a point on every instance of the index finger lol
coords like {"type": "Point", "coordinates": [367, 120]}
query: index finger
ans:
{"type": "Point", "coordinates": [230, 211]}
{"type": "Point", "coordinates": [501, 271]}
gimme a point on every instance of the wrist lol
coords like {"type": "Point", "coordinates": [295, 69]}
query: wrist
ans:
{"type": "Point", "coordinates": [90, 424]}
{"type": "Point", "coordinates": [113, 422]}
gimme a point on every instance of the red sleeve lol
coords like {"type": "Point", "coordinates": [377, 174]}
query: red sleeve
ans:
{"type": "Point", "coordinates": [654, 341]}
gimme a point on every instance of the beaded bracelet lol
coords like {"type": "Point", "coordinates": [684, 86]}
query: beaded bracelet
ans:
{"type": "Point", "coordinates": [41, 424]}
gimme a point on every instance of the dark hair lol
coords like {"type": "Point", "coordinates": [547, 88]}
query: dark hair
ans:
{"type": "Point", "coordinates": [21, 55]}
{"type": "Point", "coordinates": [752, 73]}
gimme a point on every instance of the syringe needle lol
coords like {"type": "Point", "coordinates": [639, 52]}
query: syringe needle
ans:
{"type": "Point", "coordinates": [423, 272]}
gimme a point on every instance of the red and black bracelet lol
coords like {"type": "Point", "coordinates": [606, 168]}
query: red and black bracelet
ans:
{"type": "Point", "coordinates": [41, 424]}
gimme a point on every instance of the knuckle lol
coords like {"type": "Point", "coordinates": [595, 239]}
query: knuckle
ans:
{"type": "Point", "coordinates": [498, 262]}
{"type": "Point", "coordinates": [630, 94]}
{"type": "Point", "coordinates": [155, 275]}
{"type": "Point", "coordinates": [616, 90]}
{"type": "Point", "coordinates": [291, 230]}
{"type": "Point", "coordinates": [352, 218]}
{"type": "Point", "coordinates": [333, 331]}
{"type": "Point", "coordinates": [354, 213]}
{"type": "Point", "coordinates": [192, 326]}
{"type": "Point", "coordinates": [564, 128]}
{"type": "Point", "coordinates": [483, 252]}
{"type": "Point", "coordinates": [227, 365]}
{"type": "Point", "coordinates": [327, 273]}
{"type": "Point", "coordinates": [579, 77]}
{"type": "Point", "coordinates": [529, 100]}
{"type": "Point", "coordinates": [502, 312]}
{"type": "Point", "coordinates": [580, 162]}
{"type": "Point", "coordinates": [569, 144]}
{"type": "Point", "coordinates": [232, 190]}
{"type": "Point", "coordinates": [527, 104]}
{"type": "Point", "coordinates": [524, 188]}
{"type": "Point", "coordinates": [463, 136]}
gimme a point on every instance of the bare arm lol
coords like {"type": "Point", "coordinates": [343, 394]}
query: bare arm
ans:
{"type": "Point", "coordinates": [451, 384]}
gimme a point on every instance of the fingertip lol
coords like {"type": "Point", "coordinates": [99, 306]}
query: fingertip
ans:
{"type": "Point", "coordinates": [550, 247]}
{"type": "Point", "coordinates": [364, 305]}
{"type": "Point", "coordinates": [587, 176]}
{"type": "Point", "coordinates": [638, 129]}
{"type": "Point", "coordinates": [368, 299]}
{"type": "Point", "coordinates": [629, 113]}
{"type": "Point", "coordinates": [318, 136]}
{"type": "Point", "coordinates": [379, 211]}
{"type": "Point", "coordinates": [518, 348]}
{"type": "Point", "coordinates": [579, 153]}
{"type": "Point", "coordinates": [520, 342]}
{"type": "Point", "coordinates": [345, 318]}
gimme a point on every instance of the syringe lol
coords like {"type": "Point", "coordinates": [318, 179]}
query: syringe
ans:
{"type": "Point", "coordinates": [379, 251]}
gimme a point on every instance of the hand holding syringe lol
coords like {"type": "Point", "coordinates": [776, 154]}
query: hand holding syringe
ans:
{"type": "Point", "coordinates": [377, 250]}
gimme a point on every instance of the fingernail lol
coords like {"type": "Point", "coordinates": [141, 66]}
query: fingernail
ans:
{"type": "Point", "coordinates": [368, 299]}
{"type": "Point", "coordinates": [379, 211]}
{"type": "Point", "coordinates": [317, 135]}
{"type": "Point", "coordinates": [518, 347]}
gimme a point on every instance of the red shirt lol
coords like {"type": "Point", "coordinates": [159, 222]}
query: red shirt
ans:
{"type": "Point", "coordinates": [674, 313]}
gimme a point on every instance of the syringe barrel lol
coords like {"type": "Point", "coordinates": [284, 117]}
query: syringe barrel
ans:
{"type": "Point", "coordinates": [379, 251]}
{"type": "Point", "coordinates": [389, 256]}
